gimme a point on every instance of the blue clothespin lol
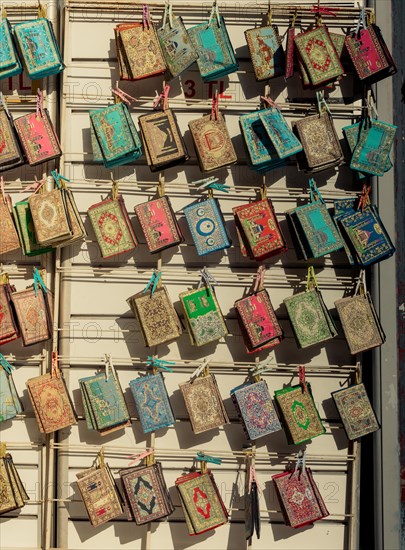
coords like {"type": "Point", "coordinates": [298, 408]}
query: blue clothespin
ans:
{"type": "Point", "coordinates": [5, 364]}
{"type": "Point", "coordinates": [38, 281]}
{"type": "Point", "coordinates": [159, 363]}
{"type": "Point", "coordinates": [153, 281]}
{"type": "Point", "coordinates": [201, 457]}
{"type": "Point", "coordinates": [58, 177]}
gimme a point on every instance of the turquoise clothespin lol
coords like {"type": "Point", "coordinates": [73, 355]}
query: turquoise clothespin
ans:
{"type": "Point", "coordinates": [58, 177]}
{"type": "Point", "coordinates": [201, 457]}
{"type": "Point", "coordinates": [5, 364]}
{"type": "Point", "coordinates": [38, 281]}
{"type": "Point", "coordinates": [153, 281]}
{"type": "Point", "coordinates": [212, 183]}
{"type": "Point", "coordinates": [314, 192]}
{"type": "Point", "coordinates": [159, 363]}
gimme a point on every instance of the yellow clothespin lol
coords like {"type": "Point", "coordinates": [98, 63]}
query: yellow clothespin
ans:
{"type": "Point", "coordinates": [3, 449]}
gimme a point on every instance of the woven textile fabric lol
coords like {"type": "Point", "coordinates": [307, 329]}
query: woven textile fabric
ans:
{"type": "Point", "coordinates": [13, 494]}
{"type": "Point", "coordinates": [299, 413]}
{"type": "Point", "coordinates": [26, 230]}
{"type": "Point", "coordinates": [10, 152]}
{"type": "Point", "coordinates": [9, 240]}
{"type": "Point", "coordinates": [177, 48]}
{"type": "Point", "coordinates": [204, 404]}
{"type": "Point", "coordinates": [207, 226]}
{"type": "Point", "coordinates": [152, 402]}
{"type": "Point", "coordinates": [159, 224]}
{"type": "Point", "coordinates": [38, 138]}
{"type": "Point", "coordinates": [8, 322]}
{"type": "Point", "coordinates": [10, 64]}
{"type": "Point", "coordinates": [33, 316]}
{"type": "Point", "coordinates": [50, 216]}
{"type": "Point", "coordinates": [266, 52]}
{"type": "Point", "coordinates": [373, 147]}
{"type": "Point", "coordinates": [355, 410]}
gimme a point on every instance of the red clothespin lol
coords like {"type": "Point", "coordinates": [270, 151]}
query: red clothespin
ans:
{"type": "Point", "coordinates": [301, 374]}
{"type": "Point", "coordinates": [215, 106]}
{"type": "Point", "coordinates": [269, 102]}
{"type": "Point", "coordinates": [365, 197]}
{"type": "Point", "coordinates": [34, 187]}
{"type": "Point", "coordinates": [324, 11]}
{"type": "Point", "coordinates": [146, 16]}
{"type": "Point", "coordinates": [162, 98]}
{"type": "Point", "coordinates": [54, 367]}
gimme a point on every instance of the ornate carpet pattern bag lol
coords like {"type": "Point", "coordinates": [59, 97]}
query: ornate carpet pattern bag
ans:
{"type": "Point", "coordinates": [112, 226]}
{"type": "Point", "coordinates": [159, 224]}
{"type": "Point", "coordinates": [207, 226]}
{"type": "Point", "coordinates": [216, 57]}
{"type": "Point", "coordinates": [299, 414]}
{"type": "Point", "coordinates": [99, 493]}
{"type": "Point", "coordinates": [321, 147]}
{"type": "Point", "coordinates": [146, 493]}
{"type": "Point", "coordinates": [361, 326]}
{"type": "Point", "coordinates": [10, 404]}
{"type": "Point", "coordinates": [51, 402]}
{"type": "Point", "coordinates": [204, 403]}
{"type": "Point", "coordinates": [318, 55]}
{"type": "Point", "coordinates": [259, 229]}
{"type": "Point", "coordinates": [13, 493]}
{"type": "Point", "coordinates": [9, 330]}
{"type": "Point", "coordinates": [9, 241]}
{"type": "Point", "coordinates": [50, 217]}
{"type": "Point", "coordinates": [115, 139]}
{"type": "Point", "coordinates": [138, 50]}
{"type": "Point", "coordinates": [355, 411]}
{"type": "Point", "coordinates": [299, 497]}
{"type": "Point", "coordinates": [203, 316]}
{"type": "Point", "coordinates": [39, 48]}
{"type": "Point", "coordinates": [257, 319]}
{"type": "Point", "coordinates": [312, 227]}
{"type": "Point", "coordinates": [212, 142]}
{"type": "Point", "coordinates": [255, 409]}
{"type": "Point", "coordinates": [178, 50]}
{"type": "Point", "coordinates": [311, 321]}
{"type": "Point", "coordinates": [10, 64]}
{"type": "Point", "coordinates": [34, 314]}
{"type": "Point", "coordinates": [164, 145]}
{"type": "Point", "coordinates": [266, 50]}
{"type": "Point", "coordinates": [38, 137]}
{"type": "Point", "coordinates": [10, 149]}
{"type": "Point", "coordinates": [103, 401]}
{"type": "Point", "coordinates": [155, 312]}
{"type": "Point", "coordinates": [201, 501]}
{"type": "Point", "coordinates": [152, 402]}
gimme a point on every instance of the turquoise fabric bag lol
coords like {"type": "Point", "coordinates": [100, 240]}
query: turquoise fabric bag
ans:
{"type": "Point", "coordinates": [10, 64]}
{"type": "Point", "coordinates": [10, 404]}
{"type": "Point", "coordinates": [38, 48]}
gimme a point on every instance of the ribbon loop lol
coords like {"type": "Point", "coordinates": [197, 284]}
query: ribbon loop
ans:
{"type": "Point", "coordinates": [319, 10]}
{"type": "Point", "coordinates": [38, 281]}
{"type": "Point", "coordinates": [5, 364]}
{"type": "Point", "coordinates": [154, 362]}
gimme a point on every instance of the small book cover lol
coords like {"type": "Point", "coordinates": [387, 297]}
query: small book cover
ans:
{"type": "Point", "coordinates": [266, 52]}
{"type": "Point", "coordinates": [177, 48]}
{"type": "Point", "coordinates": [207, 226]}
{"type": "Point", "coordinates": [355, 411]}
{"type": "Point", "coordinates": [159, 224]}
{"type": "Point", "coordinates": [38, 137]}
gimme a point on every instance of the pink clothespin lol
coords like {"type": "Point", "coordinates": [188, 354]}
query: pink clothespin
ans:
{"type": "Point", "coordinates": [215, 106]}
{"type": "Point", "coordinates": [301, 374]}
{"type": "Point", "coordinates": [139, 457]}
{"type": "Point", "coordinates": [126, 98]}
{"type": "Point", "coordinates": [146, 16]}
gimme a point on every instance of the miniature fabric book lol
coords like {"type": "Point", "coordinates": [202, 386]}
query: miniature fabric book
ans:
{"type": "Point", "coordinates": [203, 316]}
{"type": "Point", "coordinates": [100, 494]}
{"type": "Point", "coordinates": [216, 57]}
{"type": "Point", "coordinates": [34, 315]}
{"type": "Point", "coordinates": [51, 402]}
{"type": "Point", "coordinates": [299, 497]}
{"type": "Point", "coordinates": [255, 409]}
{"type": "Point", "coordinates": [152, 402]}
{"type": "Point", "coordinates": [207, 226]}
{"type": "Point", "coordinates": [38, 137]}
{"type": "Point", "coordinates": [201, 501]}
{"type": "Point", "coordinates": [367, 236]}
{"type": "Point", "coordinates": [204, 404]}
{"type": "Point", "coordinates": [355, 411]}
{"type": "Point", "coordinates": [311, 321]}
{"type": "Point", "coordinates": [360, 323]}
{"type": "Point", "coordinates": [178, 50]}
{"type": "Point", "coordinates": [370, 55]}
{"type": "Point", "coordinates": [13, 493]}
{"type": "Point", "coordinates": [259, 325]}
{"type": "Point", "coordinates": [156, 315]}
{"type": "Point", "coordinates": [266, 52]}
{"type": "Point", "coordinates": [9, 241]}
{"type": "Point", "coordinates": [112, 227]}
{"type": "Point", "coordinates": [10, 64]}
{"type": "Point", "coordinates": [321, 147]}
{"type": "Point", "coordinates": [159, 224]}
{"type": "Point", "coordinates": [104, 403]}
{"type": "Point", "coordinates": [282, 137]}
{"type": "Point", "coordinates": [259, 229]}
{"type": "Point", "coordinates": [299, 414]}
{"type": "Point", "coordinates": [26, 230]}
{"type": "Point", "coordinates": [115, 139]}
{"type": "Point", "coordinates": [373, 147]}
{"type": "Point", "coordinates": [138, 51]}
{"type": "Point", "coordinates": [50, 217]}
{"type": "Point", "coordinates": [10, 149]}
{"type": "Point", "coordinates": [212, 142]}
{"type": "Point", "coordinates": [9, 330]}
{"type": "Point", "coordinates": [163, 143]}
{"type": "Point", "coordinates": [318, 55]}
{"type": "Point", "coordinates": [39, 48]}
{"type": "Point", "coordinates": [146, 493]}
{"type": "Point", "coordinates": [10, 404]}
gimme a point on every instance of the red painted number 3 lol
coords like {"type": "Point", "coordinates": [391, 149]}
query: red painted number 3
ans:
{"type": "Point", "coordinates": [190, 92]}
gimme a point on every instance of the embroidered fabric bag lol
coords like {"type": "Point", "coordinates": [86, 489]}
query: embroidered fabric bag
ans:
{"type": "Point", "coordinates": [10, 149]}
{"type": "Point", "coordinates": [34, 310]}
{"type": "Point", "coordinates": [355, 411]}
{"type": "Point", "coordinates": [9, 241]}
{"type": "Point", "coordinates": [13, 493]}
{"type": "Point", "coordinates": [10, 64]}
{"type": "Point", "coordinates": [26, 231]}
{"type": "Point", "coordinates": [152, 402]}
{"type": "Point", "coordinates": [10, 404]}
{"type": "Point", "coordinates": [207, 226]}
{"type": "Point", "coordinates": [9, 330]}
{"type": "Point", "coordinates": [38, 137]}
